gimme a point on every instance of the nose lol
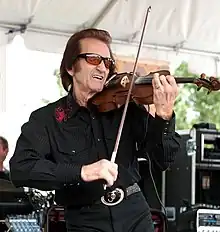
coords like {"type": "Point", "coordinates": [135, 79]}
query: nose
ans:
{"type": "Point", "coordinates": [101, 67]}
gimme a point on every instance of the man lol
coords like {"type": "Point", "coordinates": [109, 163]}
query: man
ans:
{"type": "Point", "coordinates": [66, 146]}
{"type": "Point", "coordinates": [4, 174]}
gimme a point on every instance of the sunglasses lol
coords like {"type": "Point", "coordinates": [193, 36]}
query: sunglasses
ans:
{"type": "Point", "coordinates": [96, 59]}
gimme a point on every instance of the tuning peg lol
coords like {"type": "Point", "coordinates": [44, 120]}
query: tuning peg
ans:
{"type": "Point", "coordinates": [203, 76]}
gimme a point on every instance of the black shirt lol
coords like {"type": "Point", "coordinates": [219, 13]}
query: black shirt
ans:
{"type": "Point", "coordinates": [62, 136]}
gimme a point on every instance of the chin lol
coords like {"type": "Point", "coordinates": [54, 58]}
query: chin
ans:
{"type": "Point", "coordinates": [97, 88]}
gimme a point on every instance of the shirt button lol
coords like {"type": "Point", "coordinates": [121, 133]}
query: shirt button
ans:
{"type": "Point", "coordinates": [99, 140]}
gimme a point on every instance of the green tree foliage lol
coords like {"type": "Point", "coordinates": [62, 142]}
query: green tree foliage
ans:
{"type": "Point", "coordinates": [194, 106]}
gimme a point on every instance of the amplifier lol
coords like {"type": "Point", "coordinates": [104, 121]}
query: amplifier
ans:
{"type": "Point", "coordinates": [208, 220]}
{"type": "Point", "coordinates": [208, 147]}
{"type": "Point", "coordinates": [199, 220]}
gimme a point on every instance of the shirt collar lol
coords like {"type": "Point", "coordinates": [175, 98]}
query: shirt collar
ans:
{"type": "Point", "coordinates": [68, 108]}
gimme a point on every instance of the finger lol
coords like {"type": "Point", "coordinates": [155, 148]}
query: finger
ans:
{"type": "Point", "coordinates": [110, 167]}
{"type": "Point", "coordinates": [108, 172]}
{"type": "Point", "coordinates": [173, 83]}
{"type": "Point", "coordinates": [164, 81]}
{"type": "Point", "coordinates": [156, 81]}
{"type": "Point", "coordinates": [171, 80]}
{"type": "Point", "coordinates": [113, 172]}
{"type": "Point", "coordinates": [108, 178]}
{"type": "Point", "coordinates": [115, 166]}
{"type": "Point", "coordinates": [111, 164]}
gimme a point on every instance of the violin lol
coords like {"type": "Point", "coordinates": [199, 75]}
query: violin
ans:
{"type": "Point", "coordinates": [116, 89]}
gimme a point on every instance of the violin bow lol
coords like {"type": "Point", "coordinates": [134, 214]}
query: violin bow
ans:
{"type": "Point", "coordinates": [114, 153]}
{"type": "Point", "coordinates": [116, 196]}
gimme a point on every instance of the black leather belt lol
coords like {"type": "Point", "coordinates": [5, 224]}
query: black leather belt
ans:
{"type": "Point", "coordinates": [115, 200]}
{"type": "Point", "coordinates": [132, 189]}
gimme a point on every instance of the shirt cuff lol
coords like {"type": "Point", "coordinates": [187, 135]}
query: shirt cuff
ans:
{"type": "Point", "coordinates": [69, 174]}
{"type": "Point", "coordinates": [166, 127]}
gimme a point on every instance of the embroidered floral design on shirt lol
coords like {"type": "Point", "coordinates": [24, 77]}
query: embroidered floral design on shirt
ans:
{"type": "Point", "coordinates": [62, 113]}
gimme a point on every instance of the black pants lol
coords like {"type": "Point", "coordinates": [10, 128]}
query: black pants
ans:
{"type": "Point", "coordinates": [131, 215]}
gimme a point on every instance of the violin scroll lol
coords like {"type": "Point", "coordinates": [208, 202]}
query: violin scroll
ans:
{"type": "Point", "coordinates": [211, 83]}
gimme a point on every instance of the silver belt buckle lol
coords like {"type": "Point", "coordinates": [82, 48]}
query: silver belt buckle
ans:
{"type": "Point", "coordinates": [113, 198]}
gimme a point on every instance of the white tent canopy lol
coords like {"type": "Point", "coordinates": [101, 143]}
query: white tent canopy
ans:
{"type": "Point", "coordinates": [3, 40]}
{"type": "Point", "coordinates": [174, 28]}
{"type": "Point", "coordinates": [191, 24]}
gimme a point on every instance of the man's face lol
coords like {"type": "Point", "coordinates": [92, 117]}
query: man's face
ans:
{"type": "Point", "coordinates": [3, 153]}
{"type": "Point", "coordinates": [89, 77]}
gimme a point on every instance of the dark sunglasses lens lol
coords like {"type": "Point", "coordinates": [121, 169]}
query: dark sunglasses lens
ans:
{"type": "Point", "coordinates": [108, 63]}
{"type": "Point", "coordinates": [94, 60]}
